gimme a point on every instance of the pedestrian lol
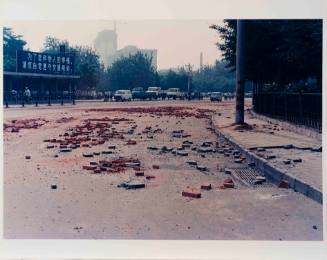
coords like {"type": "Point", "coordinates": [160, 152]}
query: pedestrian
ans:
{"type": "Point", "coordinates": [27, 95]}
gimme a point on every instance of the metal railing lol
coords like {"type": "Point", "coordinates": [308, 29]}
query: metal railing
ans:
{"type": "Point", "coordinates": [298, 108]}
{"type": "Point", "coordinates": [36, 98]}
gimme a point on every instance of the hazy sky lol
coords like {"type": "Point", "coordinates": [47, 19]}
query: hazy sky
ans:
{"type": "Point", "coordinates": [178, 42]}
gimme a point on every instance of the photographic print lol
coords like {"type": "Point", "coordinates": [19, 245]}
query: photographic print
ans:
{"type": "Point", "coordinates": [163, 129]}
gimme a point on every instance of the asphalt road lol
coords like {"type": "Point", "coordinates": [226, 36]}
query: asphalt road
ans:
{"type": "Point", "coordinates": [50, 195]}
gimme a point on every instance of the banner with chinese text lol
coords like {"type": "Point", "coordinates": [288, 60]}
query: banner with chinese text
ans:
{"type": "Point", "coordinates": [45, 63]}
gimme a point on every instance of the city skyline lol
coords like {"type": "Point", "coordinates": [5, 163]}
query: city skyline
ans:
{"type": "Point", "coordinates": [178, 42]}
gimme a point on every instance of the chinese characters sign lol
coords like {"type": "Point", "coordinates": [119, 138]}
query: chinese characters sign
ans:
{"type": "Point", "coordinates": [35, 62]}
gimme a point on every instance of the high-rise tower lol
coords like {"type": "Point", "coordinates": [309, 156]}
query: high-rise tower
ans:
{"type": "Point", "coordinates": [106, 44]}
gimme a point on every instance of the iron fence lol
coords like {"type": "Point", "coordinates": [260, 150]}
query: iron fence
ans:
{"type": "Point", "coordinates": [298, 108]}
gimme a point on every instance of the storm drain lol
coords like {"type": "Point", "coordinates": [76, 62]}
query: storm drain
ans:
{"type": "Point", "coordinates": [248, 177]}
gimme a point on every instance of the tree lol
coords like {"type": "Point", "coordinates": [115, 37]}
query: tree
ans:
{"type": "Point", "coordinates": [131, 72]}
{"type": "Point", "coordinates": [11, 43]}
{"type": "Point", "coordinates": [87, 62]}
{"type": "Point", "coordinates": [279, 52]}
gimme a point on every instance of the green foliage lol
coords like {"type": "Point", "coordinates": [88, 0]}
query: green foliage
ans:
{"type": "Point", "coordinates": [87, 63]}
{"type": "Point", "coordinates": [132, 72]}
{"type": "Point", "coordinates": [277, 51]}
{"type": "Point", "coordinates": [214, 78]}
{"type": "Point", "coordinates": [11, 43]}
{"type": "Point", "coordinates": [173, 79]}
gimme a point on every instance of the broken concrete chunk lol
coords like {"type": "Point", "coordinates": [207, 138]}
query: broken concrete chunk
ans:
{"type": "Point", "coordinates": [87, 154]}
{"type": "Point", "coordinates": [192, 162]}
{"type": "Point", "coordinates": [240, 160]}
{"type": "Point", "coordinates": [134, 185]}
{"type": "Point", "coordinates": [154, 148]}
{"type": "Point", "coordinates": [287, 161]}
{"type": "Point", "coordinates": [50, 146]}
{"type": "Point", "coordinates": [182, 153]}
{"type": "Point", "coordinates": [201, 167]}
{"type": "Point", "coordinates": [107, 152]}
{"type": "Point", "coordinates": [65, 150]}
{"type": "Point", "coordinates": [259, 180]}
{"type": "Point", "coordinates": [297, 160]}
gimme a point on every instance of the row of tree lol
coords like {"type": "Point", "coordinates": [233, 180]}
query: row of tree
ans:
{"type": "Point", "coordinates": [279, 53]}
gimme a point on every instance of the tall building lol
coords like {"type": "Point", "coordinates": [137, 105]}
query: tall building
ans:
{"type": "Point", "coordinates": [106, 44]}
{"type": "Point", "coordinates": [201, 60]}
{"type": "Point", "coordinates": [132, 50]}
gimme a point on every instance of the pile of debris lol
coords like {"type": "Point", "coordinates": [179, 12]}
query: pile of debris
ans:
{"type": "Point", "coordinates": [91, 133]}
{"type": "Point", "coordinates": [115, 165]}
{"type": "Point", "coordinates": [176, 111]}
{"type": "Point", "coordinates": [16, 125]}
{"type": "Point", "coordinates": [65, 120]}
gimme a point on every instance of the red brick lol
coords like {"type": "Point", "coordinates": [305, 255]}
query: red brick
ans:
{"type": "Point", "coordinates": [191, 194]}
{"type": "Point", "coordinates": [88, 167]}
{"type": "Point", "coordinates": [228, 183]}
{"type": "Point", "coordinates": [206, 187]}
{"type": "Point", "coordinates": [139, 174]}
{"type": "Point", "coordinates": [283, 184]}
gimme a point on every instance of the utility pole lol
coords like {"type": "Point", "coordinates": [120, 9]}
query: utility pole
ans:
{"type": "Point", "coordinates": [240, 55]}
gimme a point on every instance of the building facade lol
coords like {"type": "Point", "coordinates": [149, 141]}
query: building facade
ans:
{"type": "Point", "coordinates": [132, 50]}
{"type": "Point", "coordinates": [105, 45]}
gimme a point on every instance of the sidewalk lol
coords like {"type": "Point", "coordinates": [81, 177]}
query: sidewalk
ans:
{"type": "Point", "coordinates": [280, 148]}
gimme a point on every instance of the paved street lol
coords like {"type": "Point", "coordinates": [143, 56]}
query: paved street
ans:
{"type": "Point", "coordinates": [57, 184]}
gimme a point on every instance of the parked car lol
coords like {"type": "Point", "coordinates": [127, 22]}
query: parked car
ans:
{"type": "Point", "coordinates": [139, 93]}
{"type": "Point", "coordinates": [154, 93]}
{"type": "Point", "coordinates": [216, 96]}
{"type": "Point", "coordinates": [123, 95]}
{"type": "Point", "coordinates": [174, 93]}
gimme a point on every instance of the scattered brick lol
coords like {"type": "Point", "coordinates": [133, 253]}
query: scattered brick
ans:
{"type": "Point", "coordinates": [191, 194]}
{"type": "Point", "coordinates": [283, 184]}
{"type": "Point", "coordinates": [139, 174]}
{"type": "Point", "coordinates": [228, 183]}
{"type": "Point", "coordinates": [206, 187]}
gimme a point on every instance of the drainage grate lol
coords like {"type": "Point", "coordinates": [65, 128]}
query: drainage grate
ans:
{"type": "Point", "coordinates": [248, 175]}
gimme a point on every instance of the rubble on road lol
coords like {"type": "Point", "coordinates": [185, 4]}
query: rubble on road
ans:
{"type": "Point", "coordinates": [16, 125]}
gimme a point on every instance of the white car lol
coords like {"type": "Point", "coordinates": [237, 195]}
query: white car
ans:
{"type": "Point", "coordinates": [123, 95]}
{"type": "Point", "coordinates": [216, 96]}
{"type": "Point", "coordinates": [174, 93]}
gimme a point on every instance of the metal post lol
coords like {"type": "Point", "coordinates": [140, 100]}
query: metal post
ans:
{"type": "Point", "coordinates": [240, 55]}
{"type": "Point", "coordinates": [74, 92]}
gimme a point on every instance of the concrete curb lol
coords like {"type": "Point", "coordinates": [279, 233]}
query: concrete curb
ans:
{"type": "Point", "coordinates": [273, 174]}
